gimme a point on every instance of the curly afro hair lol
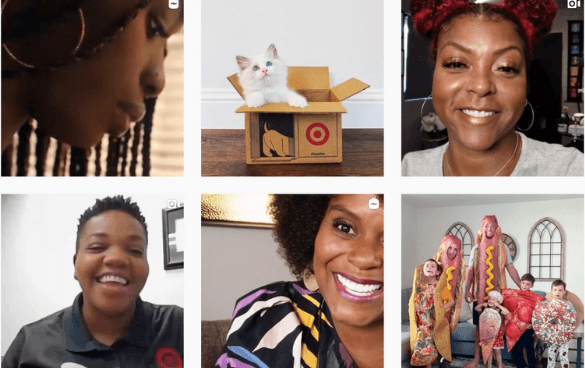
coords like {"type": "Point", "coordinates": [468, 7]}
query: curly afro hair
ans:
{"type": "Point", "coordinates": [532, 18]}
{"type": "Point", "coordinates": [297, 219]}
{"type": "Point", "coordinates": [116, 203]}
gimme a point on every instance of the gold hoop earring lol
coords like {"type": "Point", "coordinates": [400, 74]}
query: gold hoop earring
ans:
{"type": "Point", "coordinates": [30, 66]}
{"type": "Point", "coordinates": [423, 106]}
{"type": "Point", "coordinates": [531, 122]}
{"type": "Point", "coordinates": [310, 281]}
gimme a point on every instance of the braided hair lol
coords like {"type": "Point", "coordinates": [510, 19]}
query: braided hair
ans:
{"type": "Point", "coordinates": [55, 158]}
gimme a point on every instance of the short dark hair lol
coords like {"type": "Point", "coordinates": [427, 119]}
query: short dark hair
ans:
{"type": "Point", "coordinates": [528, 277]}
{"type": "Point", "coordinates": [439, 266]}
{"type": "Point", "coordinates": [116, 203]}
{"type": "Point", "coordinates": [559, 283]}
{"type": "Point", "coordinates": [297, 219]}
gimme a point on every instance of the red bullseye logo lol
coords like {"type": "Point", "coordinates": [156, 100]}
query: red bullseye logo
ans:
{"type": "Point", "coordinates": [168, 358]}
{"type": "Point", "coordinates": [317, 134]}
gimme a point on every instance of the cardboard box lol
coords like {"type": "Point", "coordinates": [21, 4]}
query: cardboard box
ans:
{"type": "Point", "coordinates": [282, 134]}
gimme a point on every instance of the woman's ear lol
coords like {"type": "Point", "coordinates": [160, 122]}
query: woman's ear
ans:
{"type": "Point", "coordinates": [74, 273]}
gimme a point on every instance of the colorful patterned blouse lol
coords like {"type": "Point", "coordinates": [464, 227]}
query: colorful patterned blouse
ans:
{"type": "Point", "coordinates": [283, 325]}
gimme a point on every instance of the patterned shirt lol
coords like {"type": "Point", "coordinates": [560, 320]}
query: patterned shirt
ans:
{"type": "Point", "coordinates": [283, 325]}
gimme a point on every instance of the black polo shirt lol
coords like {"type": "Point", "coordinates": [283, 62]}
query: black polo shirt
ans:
{"type": "Point", "coordinates": [154, 339]}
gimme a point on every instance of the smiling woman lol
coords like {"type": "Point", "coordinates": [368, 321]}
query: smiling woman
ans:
{"type": "Point", "coordinates": [481, 53]}
{"type": "Point", "coordinates": [108, 324]}
{"type": "Point", "coordinates": [81, 69]}
{"type": "Point", "coordinates": [334, 316]}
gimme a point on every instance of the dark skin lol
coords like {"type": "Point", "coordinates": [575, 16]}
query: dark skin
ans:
{"type": "Point", "coordinates": [479, 92]}
{"type": "Point", "coordinates": [79, 103]}
{"type": "Point", "coordinates": [350, 242]}
{"type": "Point", "coordinates": [110, 244]}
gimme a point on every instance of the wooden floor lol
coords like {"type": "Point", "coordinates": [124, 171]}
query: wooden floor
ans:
{"type": "Point", "coordinates": [223, 153]}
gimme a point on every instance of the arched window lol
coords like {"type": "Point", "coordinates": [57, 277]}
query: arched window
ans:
{"type": "Point", "coordinates": [509, 241]}
{"type": "Point", "coordinates": [462, 231]}
{"type": "Point", "coordinates": [546, 249]}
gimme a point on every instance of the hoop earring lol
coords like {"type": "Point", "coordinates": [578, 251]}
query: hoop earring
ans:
{"type": "Point", "coordinates": [532, 122]}
{"type": "Point", "coordinates": [310, 281]}
{"type": "Point", "coordinates": [30, 66]}
{"type": "Point", "coordinates": [423, 106]}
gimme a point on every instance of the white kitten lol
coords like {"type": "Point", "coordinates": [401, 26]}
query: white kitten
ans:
{"type": "Point", "coordinates": [263, 79]}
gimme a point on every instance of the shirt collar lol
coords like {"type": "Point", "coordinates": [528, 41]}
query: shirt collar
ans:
{"type": "Point", "coordinates": [79, 339]}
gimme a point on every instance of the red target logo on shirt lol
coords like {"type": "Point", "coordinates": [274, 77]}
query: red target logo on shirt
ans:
{"type": "Point", "coordinates": [168, 358]}
{"type": "Point", "coordinates": [317, 134]}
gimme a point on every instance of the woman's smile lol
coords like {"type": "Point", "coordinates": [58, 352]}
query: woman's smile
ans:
{"type": "Point", "coordinates": [478, 117]}
{"type": "Point", "coordinates": [356, 289]}
{"type": "Point", "coordinates": [111, 282]}
{"type": "Point", "coordinates": [111, 264]}
{"type": "Point", "coordinates": [479, 84]}
{"type": "Point", "coordinates": [349, 260]}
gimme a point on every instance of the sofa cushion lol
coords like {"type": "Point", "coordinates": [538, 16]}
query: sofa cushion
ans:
{"type": "Point", "coordinates": [213, 337]}
{"type": "Point", "coordinates": [465, 332]}
{"type": "Point", "coordinates": [406, 292]}
{"type": "Point", "coordinates": [405, 343]}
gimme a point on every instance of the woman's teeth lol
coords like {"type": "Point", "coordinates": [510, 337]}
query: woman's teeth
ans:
{"type": "Point", "coordinates": [477, 113]}
{"type": "Point", "coordinates": [358, 289]}
{"type": "Point", "coordinates": [111, 278]}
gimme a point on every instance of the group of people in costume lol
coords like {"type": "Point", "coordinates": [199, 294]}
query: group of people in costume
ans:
{"type": "Point", "coordinates": [499, 313]}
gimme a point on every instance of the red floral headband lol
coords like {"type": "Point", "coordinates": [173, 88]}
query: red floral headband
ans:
{"type": "Point", "coordinates": [533, 16]}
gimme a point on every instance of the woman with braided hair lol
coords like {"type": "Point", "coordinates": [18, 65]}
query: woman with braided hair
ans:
{"type": "Point", "coordinates": [481, 51]}
{"type": "Point", "coordinates": [81, 69]}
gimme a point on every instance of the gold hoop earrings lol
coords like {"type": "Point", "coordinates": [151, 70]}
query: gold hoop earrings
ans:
{"type": "Point", "coordinates": [423, 106]}
{"type": "Point", "coordinates": [532, 122]}
{"type": "Point", "coordinates": [310, 281]}
{"type": "Point", "coordinates": [30, 66]}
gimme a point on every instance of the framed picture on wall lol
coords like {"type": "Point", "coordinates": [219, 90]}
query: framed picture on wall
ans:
{"type": "Point", "coordinates": [575, 58]}
{"type": "Point", "coordinates": [173, 237]}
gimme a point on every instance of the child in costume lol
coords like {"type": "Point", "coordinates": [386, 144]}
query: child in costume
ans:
{"type": "Point", "coordinates": [494, 302]}
{"type": "Point", "coordinates": [422, 303]}
{"type": "Point", "coordinates": [527, 338]}
{"type": "Point", "coordinates": [558, 290]}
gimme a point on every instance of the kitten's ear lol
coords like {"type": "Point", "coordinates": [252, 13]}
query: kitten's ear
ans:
{"type": "Point", "coordinates": [243, 62]}
{"type": "Point", "coordinates": [271, 52]}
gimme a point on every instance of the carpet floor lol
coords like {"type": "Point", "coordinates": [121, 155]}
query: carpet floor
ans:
{"type": "Point", "coordinates": [461, 361]}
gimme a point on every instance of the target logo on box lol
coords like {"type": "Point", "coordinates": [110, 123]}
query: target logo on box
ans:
{"type": "Point", "coordinates": [317, 134]}
{"type": "Point", "coordinates": [307, 135]}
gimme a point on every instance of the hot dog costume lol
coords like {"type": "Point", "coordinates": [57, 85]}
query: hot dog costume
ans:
{"type": "Point", "coordinates": [429, 326]}
{"type": "Point", "coordinates": [455, 271]}
{"type": "Point", "coordinates": [489, 263]}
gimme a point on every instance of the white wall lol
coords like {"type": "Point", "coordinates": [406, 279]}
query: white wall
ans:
{"type": "Point", "coordinates": [235, 261]}
{"type": "Point", "coordinates": [344, 35]}
{"type": "Point", "coordinates": [38, 243]}
{"type": "Point", "coordinates": [424, 228]}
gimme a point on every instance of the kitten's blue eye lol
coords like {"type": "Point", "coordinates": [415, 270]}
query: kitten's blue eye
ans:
{"type": "Point", "coordinates": [268, 63]}
{"type": "Point", "coordinates": [256, 67]}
